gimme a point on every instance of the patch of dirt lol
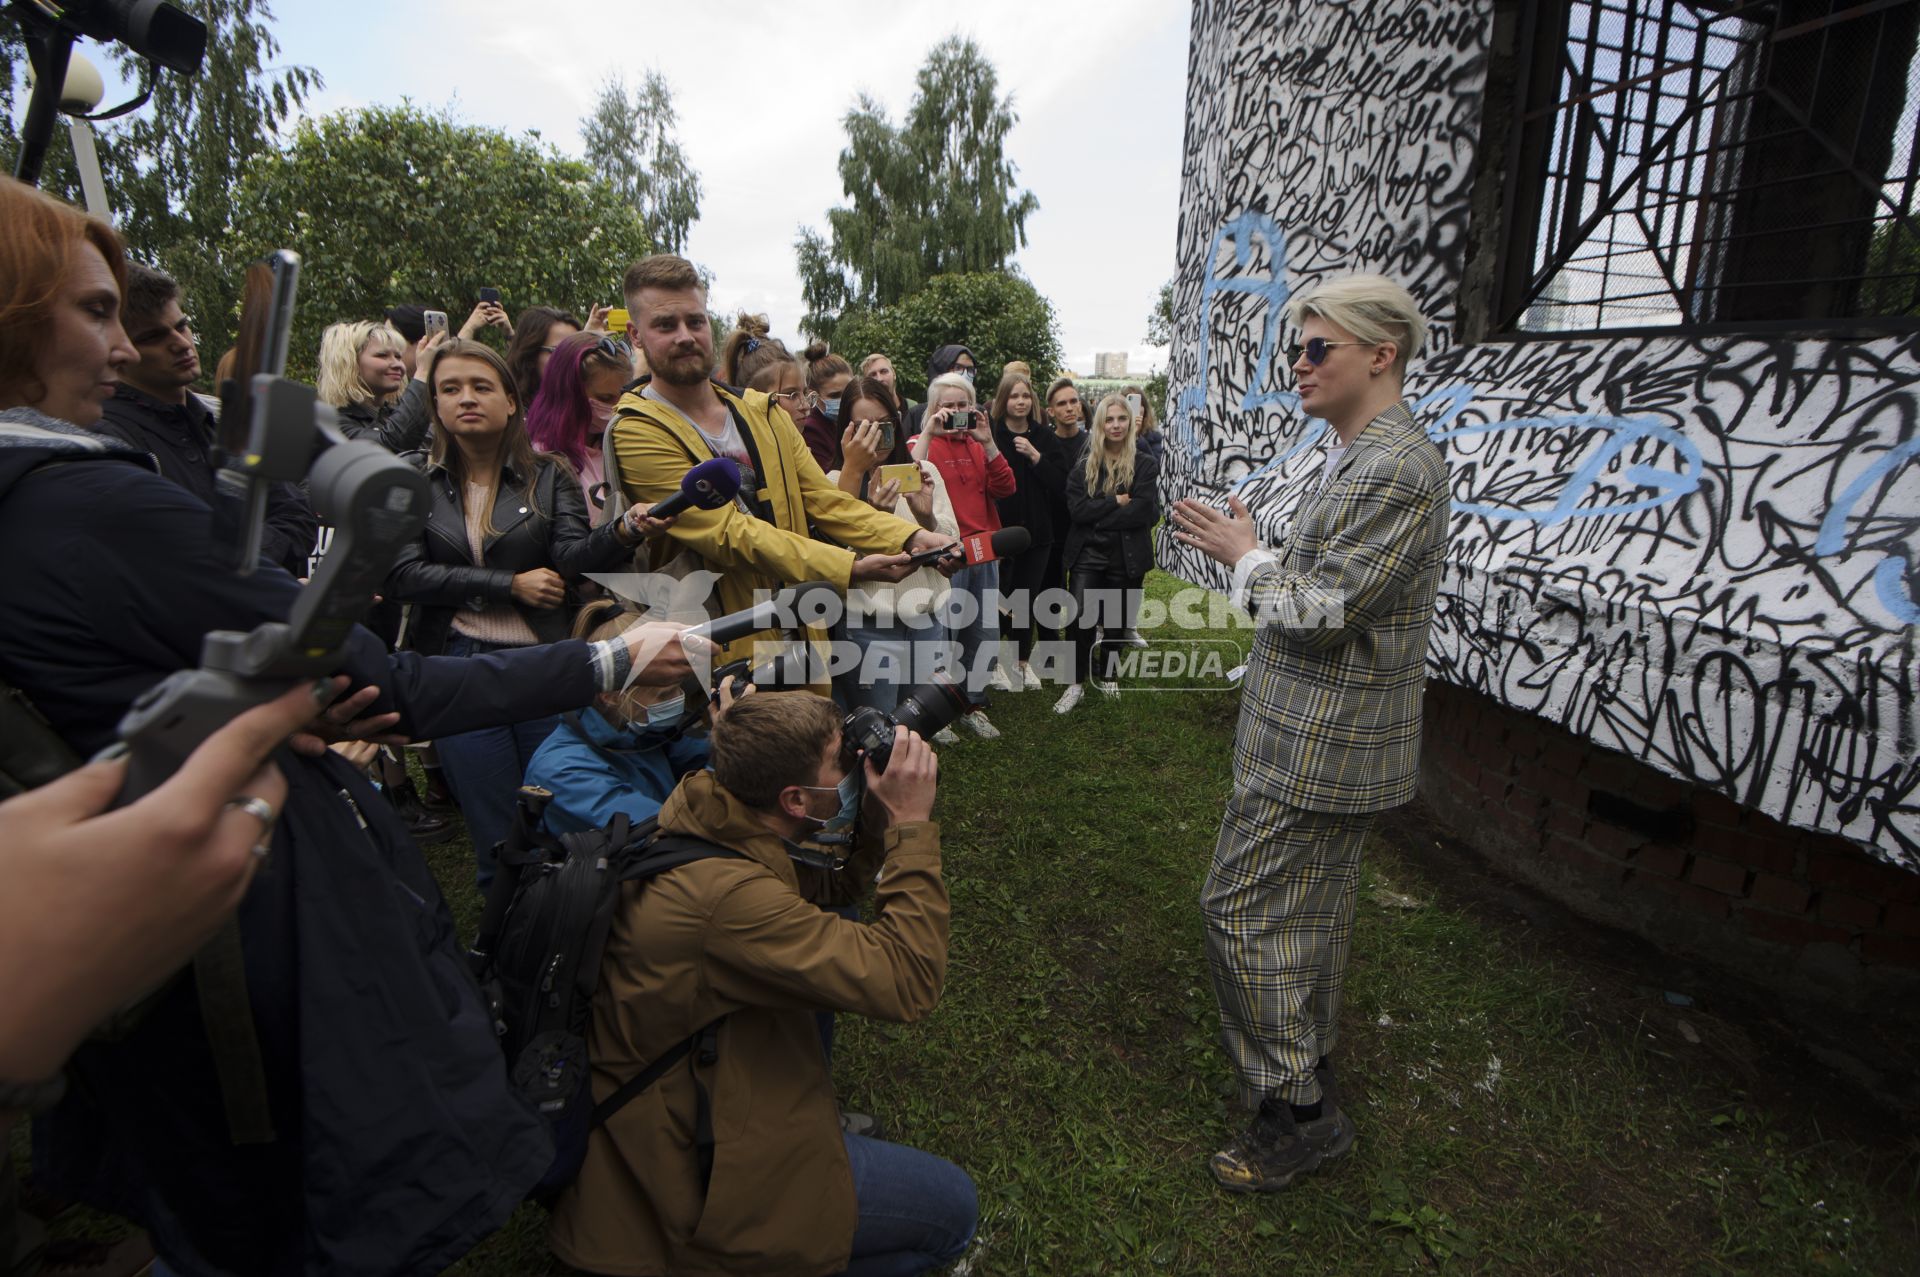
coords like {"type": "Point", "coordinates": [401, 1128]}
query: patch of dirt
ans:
{"type": "Point", "coordinates": [1855, 1077]}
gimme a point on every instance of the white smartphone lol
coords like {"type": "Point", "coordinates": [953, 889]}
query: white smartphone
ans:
{"type": "Point", "coordinates": [1133, 405]}
{"type": "Point", "coordinates": [435, 321]}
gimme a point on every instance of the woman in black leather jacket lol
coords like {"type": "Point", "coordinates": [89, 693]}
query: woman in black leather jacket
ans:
{"type": "Point", "coordinates": [363, 374]}
{"type": "Point", "coordinates": [506, 536]}
{"type": "Point", "coordinates": [1113, 497]}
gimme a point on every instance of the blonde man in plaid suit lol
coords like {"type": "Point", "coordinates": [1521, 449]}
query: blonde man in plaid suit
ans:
{"type": "Point", "coordinates": [1329, 727]}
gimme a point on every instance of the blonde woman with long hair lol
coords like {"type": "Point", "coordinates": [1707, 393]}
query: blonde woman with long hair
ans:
{"type": "Point", "coordinates": [363, 374]}
{"type": "Point", "coordinates": [1113, 498]}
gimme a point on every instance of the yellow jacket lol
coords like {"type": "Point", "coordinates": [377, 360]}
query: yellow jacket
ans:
{"type": "Point", "coordinates": [653, 447]}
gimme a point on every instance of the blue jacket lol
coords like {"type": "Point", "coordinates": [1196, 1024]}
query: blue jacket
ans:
{"type": "Point", "coordinates": [608, 771]}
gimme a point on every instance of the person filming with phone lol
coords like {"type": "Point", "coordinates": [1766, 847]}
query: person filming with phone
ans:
{"type": "Point", "coordinates": [958, 439]}
{"type": "Point", "coordinates": [267, 1116]}
{"type": "Point", "coordinates": [727, 951]}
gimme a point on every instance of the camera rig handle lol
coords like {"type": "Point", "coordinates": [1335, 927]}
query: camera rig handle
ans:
{"type": "Point", "coordinates": [376, 503]}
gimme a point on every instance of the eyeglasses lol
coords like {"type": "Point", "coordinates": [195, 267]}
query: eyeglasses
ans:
{"type": "Point", "coordinates": [792, 397]}
{"type": "Point", "coordinates": [1316, 348]}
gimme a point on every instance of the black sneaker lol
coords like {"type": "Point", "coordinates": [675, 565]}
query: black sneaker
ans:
{"type": "Point", "coordinates": [1273, 1149]}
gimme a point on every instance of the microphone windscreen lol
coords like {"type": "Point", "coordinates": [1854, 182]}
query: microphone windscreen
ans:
{"type": "Point", "coordinates": [984, 548]}
{"type": "Point", "coordinates": [713, 482]}
{"type": "Point", "coordinates": [709, 485]}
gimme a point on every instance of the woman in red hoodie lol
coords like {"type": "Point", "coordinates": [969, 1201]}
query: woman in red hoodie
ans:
{"type": "Point", "coordinates": [957, 438]}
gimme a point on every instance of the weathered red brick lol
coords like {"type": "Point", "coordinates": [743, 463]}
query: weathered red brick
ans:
{"type": "Point", "coordinates": [1770, 891]}
{"type": "Point", "coordinates": [1568, 820]}
{"type": "Point", "coordinates": [1775, 855]}
{"type": "Point", "coordinates": [1612, 839]}
{"type": "Point", "coordinates": [1493, 784]}
{"type": "Point", "coordinates": [1581, 858]}
{"type": "Point", "coordinates": [1657, 789]}
{"type": "Point", "coordinates": [1660, 858]}
{"type": "Point", "coordinates": [1607, 770]}
{"type": "Point", "coordinates": [1713, 808]}
{"type": "Point", "coordinates": [1699, 899]}
{"type": "Point", "coordinates": [1902, 920]}
{"type": "Point", "coordinates": [1564, 788]}
{"type": "Point", "coordinates": [1834, 862]}
{"type": "Point", "coordinates": [1894, 950]}
{"type": "Point", "coordinates": [1564, 754]}
{"type": "Point", "coordinates": [1841, 909]}
{"type": "Point", "coordinates": [1721, 843]}
{"type": "Point", "coordinates": [1718, 875]}
{"type": "Point", "coordinates": [1780, 929]}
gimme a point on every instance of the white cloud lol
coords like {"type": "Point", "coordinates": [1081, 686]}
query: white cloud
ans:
{"type": "Point", "coordinates": [761, 87]}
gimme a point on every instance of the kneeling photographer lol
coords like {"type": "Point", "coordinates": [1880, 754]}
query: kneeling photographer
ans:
{"type": "Point", "coordinates": [734, 1160]}
{"type": "Point", "coordinates": [333, 1101]}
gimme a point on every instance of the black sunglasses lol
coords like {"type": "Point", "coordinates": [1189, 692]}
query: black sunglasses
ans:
{"type": "Point", "coordinates": [1316, 348]}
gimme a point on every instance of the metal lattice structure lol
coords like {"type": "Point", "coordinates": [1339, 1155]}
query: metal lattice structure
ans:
{"type": "Point", "coordinates": [1714, 163]}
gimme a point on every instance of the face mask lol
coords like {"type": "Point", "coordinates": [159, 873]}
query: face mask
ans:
{"type": "Point", "coordinates": [965, 372]}
{"type": "Point", "coordinates": [667, 713]}
{"type": "Point", "coordinates": [848, 790]}
{"type": "Point", "coordinates": [601, 413]}
{"type": "Point", "coordinates": [830, 408]}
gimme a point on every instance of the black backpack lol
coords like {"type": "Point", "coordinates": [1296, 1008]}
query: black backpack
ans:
{"type": "Point", "coordinates": [537, 957]}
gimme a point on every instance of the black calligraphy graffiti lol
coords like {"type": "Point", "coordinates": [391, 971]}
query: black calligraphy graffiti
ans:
{"type": "Point", "coordinates": [1699, 550]}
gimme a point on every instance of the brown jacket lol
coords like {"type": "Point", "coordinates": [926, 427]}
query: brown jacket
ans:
{"type": "Point", "coordinates": [736, 938]}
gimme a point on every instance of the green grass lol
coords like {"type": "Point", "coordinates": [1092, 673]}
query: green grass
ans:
{"type": "Point", "coordinates": [1073, 1070]}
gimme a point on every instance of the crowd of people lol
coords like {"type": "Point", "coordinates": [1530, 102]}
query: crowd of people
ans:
{"type": "Point", "coordinates": [335, 1101]}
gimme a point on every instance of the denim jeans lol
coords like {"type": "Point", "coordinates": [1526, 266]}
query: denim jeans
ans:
{"type": "Point", "coordinates": [484, 769]}
{"type": "Point", "coordinates": [886, 668]}
{"type": "Point", "coordinates": [972, 617]}
{"type": "Point", "coordinates": [917, 1211]}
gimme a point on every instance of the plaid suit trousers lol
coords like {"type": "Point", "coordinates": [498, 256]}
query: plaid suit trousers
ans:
{"type": "Point", "coordinates": [1279, 911]}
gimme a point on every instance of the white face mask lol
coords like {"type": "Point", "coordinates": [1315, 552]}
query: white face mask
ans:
{"type": "Point", "coordinates": [965, 372]}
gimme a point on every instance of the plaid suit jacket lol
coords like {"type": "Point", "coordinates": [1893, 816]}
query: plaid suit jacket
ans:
{"type": "Point", "coordinates": [1330, 711]}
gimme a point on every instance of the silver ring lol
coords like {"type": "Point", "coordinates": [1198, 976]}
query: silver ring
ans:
{"type": "Point", "coordinates": [257, 807]}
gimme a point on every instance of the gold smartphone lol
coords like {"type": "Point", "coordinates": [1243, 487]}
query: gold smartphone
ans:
{"type": "Point", "coordinates": [906, 474]}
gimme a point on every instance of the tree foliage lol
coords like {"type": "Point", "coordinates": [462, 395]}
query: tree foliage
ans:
{"type": "Point", "coordinates": [998, 316]}
{"type": "Point", "coordinates": [393, 204]}
{"type": "Point", "coordinates": [932, 196]}
{"type": "Point", "coordinates": [1160, 318]}
{"type": "Point", "coordinates": [171, 166]}
{"type": "Point", "coordinates": [631, 143]}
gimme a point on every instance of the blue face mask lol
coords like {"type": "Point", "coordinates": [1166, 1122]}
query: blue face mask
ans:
{"type": "Point", "coordinates": [665, 714]}
{"type": "Point", "coordinates": [849, 791]}
{"type": "Point", "coordinates": [830, 408]}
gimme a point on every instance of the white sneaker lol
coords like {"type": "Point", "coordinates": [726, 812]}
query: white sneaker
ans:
{"type": "Point", "coordinates": [1108, 688]}
{"type": "Point", "coordinates": [1000, 682]}
{"type": "Point", "coordinates": [1029, 680]}
{"type": "Point", "coordinates": [945, 736]}
{"type": "Point", "coordinates": [981, 727]}
{"type": "Point", "coordinates": [1069, 698]}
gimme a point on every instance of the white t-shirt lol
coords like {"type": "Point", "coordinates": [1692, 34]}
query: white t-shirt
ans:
{"type": "Point", "coordinates": [727, 444]}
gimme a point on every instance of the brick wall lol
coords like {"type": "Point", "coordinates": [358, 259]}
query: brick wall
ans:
{"type": "Point", "coordinates": [1685, 866]}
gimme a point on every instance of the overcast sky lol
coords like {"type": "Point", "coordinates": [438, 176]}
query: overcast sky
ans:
{"type": "Point", "coordinates": [761, 88]}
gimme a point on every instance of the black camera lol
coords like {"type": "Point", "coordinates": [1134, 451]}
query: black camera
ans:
{"type": "Point", "coordinates": [926, 709]}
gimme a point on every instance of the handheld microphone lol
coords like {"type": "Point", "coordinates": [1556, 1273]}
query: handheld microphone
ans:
{"type": "Point", "coordinates": [794, 606]}
{"type": "Point", "coordinates": [984, 548]}
{"type": "Point", "coordinates": [709, 485]}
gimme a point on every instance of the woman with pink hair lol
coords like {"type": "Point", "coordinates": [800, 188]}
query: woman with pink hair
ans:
{"type": "Point", "coordinates": [583, 382]}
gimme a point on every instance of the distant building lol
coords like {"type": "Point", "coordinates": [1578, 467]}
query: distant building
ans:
{"type": "Point", "coordinates": [1112, 363]}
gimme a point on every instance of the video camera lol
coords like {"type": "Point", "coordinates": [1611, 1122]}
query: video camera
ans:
{"type": "Point", "coordinates": [159, 32]}
{"type": "Point", "coordinates": [273, 429]}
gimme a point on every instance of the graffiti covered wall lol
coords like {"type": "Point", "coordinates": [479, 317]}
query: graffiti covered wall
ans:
{"type": "Point", "coordinates": [1699, 550]}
